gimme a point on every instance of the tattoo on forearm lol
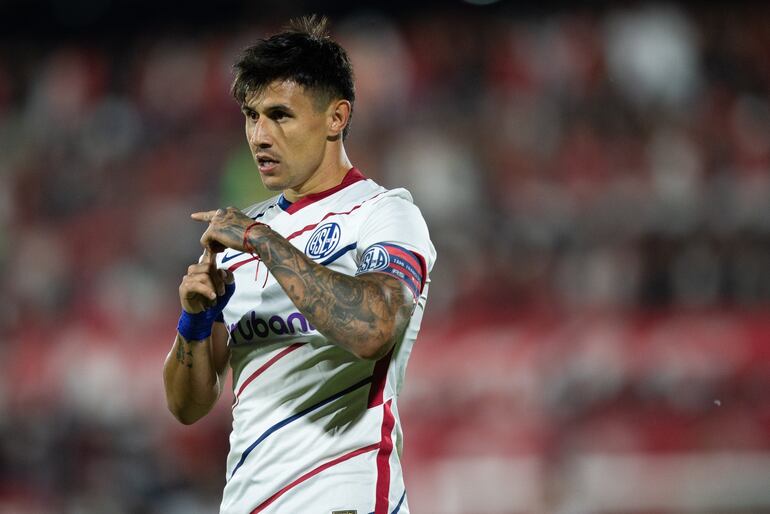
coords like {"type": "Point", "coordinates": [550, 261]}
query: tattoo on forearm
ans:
{"type": "Point", "coordinates": [184, 353]}
{"type": "Point", "coordinates": [348, 310]}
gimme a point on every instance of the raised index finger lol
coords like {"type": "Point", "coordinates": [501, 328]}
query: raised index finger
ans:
{"type": "Point", "coordinates": [209, 257]}
{"type": "Point", "coordinates": [203, 216]}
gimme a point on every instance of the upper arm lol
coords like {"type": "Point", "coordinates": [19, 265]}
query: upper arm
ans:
{"type": "Point", "coordinates": [394, 241]}
{"type": "Point", "coordinates": [402, 265]}
{"type": "Point", "coordinates": [388, 303]}
{"type": "Point", "coordinates": [395, 252]}
{"type": "Point", "coordinates": [396, 292]}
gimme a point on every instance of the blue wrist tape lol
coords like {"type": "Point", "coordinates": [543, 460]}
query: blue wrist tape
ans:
{"type": "Point", "coordinates": [197, 326]}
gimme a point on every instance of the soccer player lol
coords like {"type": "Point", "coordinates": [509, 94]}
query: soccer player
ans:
{"type": "Point", "coordinates": [313, 298]}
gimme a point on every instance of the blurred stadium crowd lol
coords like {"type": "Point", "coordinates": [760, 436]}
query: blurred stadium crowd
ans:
{"type": "Point", "coordinates": [597, 184]}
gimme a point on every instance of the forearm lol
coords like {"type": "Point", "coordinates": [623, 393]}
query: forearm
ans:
{"type": "Point", "coordinates": [190, 378]}
{"type": "Point", "coordinates": [364, 314]}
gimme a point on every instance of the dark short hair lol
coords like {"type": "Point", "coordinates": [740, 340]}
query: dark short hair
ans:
{"type": "Point", "coordinates": [303, 53]}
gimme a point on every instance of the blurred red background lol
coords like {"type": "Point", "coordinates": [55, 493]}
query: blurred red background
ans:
{"type": "Point", "coordinates": [597, 184]}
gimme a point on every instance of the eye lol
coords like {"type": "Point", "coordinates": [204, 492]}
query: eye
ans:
{"type": "Point", "coordinates": [278, 115]}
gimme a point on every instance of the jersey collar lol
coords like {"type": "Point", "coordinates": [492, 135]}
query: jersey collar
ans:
{"type": "Point", "coordinates": [351, 177]}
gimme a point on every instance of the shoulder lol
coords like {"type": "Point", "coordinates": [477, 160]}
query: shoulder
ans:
{"type": "Point", "coordinates": [393, 217]}
{"type": "Point", "coordinates": [392, 202]}
{"type": "Point", "coordinates": [258, 209]}
{"type": "Point", "coordinates": [369, 194]}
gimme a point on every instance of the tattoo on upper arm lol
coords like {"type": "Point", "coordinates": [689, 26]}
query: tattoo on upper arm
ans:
{"type": "Point", "coordinates": [344, 308]}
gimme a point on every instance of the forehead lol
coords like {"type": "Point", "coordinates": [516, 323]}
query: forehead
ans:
{"type": "Point", "coordinates": [280, 92]}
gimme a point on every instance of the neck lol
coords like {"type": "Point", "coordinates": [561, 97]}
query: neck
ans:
{"type": "Point", "coordinates": [329, 174]}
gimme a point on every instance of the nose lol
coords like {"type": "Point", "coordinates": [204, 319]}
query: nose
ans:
{"type": "Point", "coordinates": [259, 136]}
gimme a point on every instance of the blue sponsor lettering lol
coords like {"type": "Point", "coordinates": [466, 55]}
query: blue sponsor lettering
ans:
{"type": "Point", "coordinates": [242, 327]}
{"type": "Point", "coordinates": [259, 325]}
{"type": "Point", "coordinates": [252, 328]}
{"type": "Point", "coordinates": [278, 325]}
{"type": "Point", "coordinates": [303, 324]}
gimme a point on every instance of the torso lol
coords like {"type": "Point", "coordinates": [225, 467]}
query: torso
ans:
{"type": "Point", "coordinates": [312, 424]}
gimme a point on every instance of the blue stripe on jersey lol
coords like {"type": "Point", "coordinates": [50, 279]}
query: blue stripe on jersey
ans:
{"type": "Point", "coordinates": [411, 282]}
{"type": "Point", "coordinates": [296, 416]}
{"type": "Point", "coordinates": [393, 260]}
{"type": "Point", "coordinates": [339, 254]}
{"type": "Point", "coordinates": [398, 507]}
{"type": "Point", "coordinates": [408, 267]}
{"type": "Point", "coordinates": [283, 203]}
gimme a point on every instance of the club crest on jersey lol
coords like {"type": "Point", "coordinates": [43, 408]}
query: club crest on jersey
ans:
{"type": "Point", "coordinates": [374, 259]}
{"type": "Point", "coordinates": [323, 241]}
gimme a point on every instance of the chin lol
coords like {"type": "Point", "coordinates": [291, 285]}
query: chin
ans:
{"type": "Point", "coordinates": [272, 183]}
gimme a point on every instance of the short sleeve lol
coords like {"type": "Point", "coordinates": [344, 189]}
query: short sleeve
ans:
{"type": "Point", "coordinates": [394, 239]}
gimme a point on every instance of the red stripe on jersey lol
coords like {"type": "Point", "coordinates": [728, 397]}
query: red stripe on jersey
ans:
{"type": "Point", "coordinates": [379, 376]}
{"type": "Point", "coordinates": [314, 472]}
{"type": "Point", "coordinates": [405, 267]}
{"type": "Point", "coordinates": [239, 264]}
{"type": "Point", "coordinates": [351, 177]}
{"type": "Point", "coordinates": [382, 498]}
{"type": "Point", "coordinates": [407, 255]}
{"type": "Point", "coordinates": [266, 365]}
{"type": "Point", "coordinates": [415, 259]}
{"type": "Point", "coordinates": [416, 281]}
{"type": "Point", "coordinates": [423, 270]}
{"type": "Point", "coordinates": [314, 225]}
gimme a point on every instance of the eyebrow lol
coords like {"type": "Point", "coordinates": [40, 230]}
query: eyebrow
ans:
{"type": "Point", "coordinates": [279, 107]}
{"type": "Point", "coordinates": [269, 108]}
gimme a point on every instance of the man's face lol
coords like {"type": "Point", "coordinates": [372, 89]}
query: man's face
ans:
{"type": "Point", "coordinates": [286, 131]}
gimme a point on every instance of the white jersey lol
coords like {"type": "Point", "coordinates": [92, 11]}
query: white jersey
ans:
{"type": "Point", "coordinates": [315, 429]}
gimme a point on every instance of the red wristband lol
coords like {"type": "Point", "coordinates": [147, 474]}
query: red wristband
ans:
{"type": "Point", "coordinates": [246, 244]}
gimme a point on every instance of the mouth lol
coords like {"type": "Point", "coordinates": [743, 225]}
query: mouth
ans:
{"type": "Point", "coordinates": [266, 164]}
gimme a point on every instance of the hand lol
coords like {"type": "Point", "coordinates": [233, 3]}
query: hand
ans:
{"type": "Point", "coordinates": [203, 283]}
{"type": "Point", "coordinates": [225, 230]}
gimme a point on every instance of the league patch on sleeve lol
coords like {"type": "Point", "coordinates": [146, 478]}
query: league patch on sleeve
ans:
{"type": "Point", "coordinates": [395, 260]}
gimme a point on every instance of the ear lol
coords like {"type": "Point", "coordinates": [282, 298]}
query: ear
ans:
{"type": "Point", "coordinates": [338, 117]}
